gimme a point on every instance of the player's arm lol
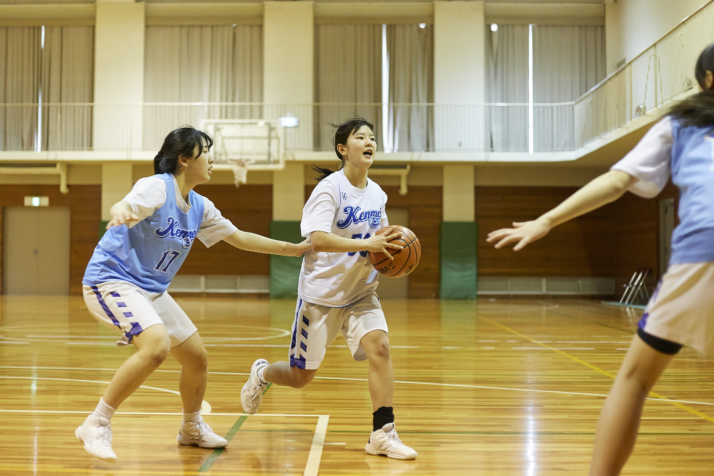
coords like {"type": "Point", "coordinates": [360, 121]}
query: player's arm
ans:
{"type": "Point", "coordinates": [122, 214]}
{"type": "Point", "coordinates": [247, 241]}
{"type": "Point", "coordinates": [604, 189]}
{"type": "Point", "coordinates": [331, 243]}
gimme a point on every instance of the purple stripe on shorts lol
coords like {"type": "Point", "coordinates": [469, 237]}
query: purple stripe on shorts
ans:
{"type": "Point", "coordinates": [643, 320]}
{"type": "Point", "coordinates": [298, 362]}
{"type": "Point", "coordinates": [303, 346]}
{"type": "Point", "coordinates": [104, 306]}
{"type": "Point", "coordinates": [134, 331]}
{"type": "Point", "coordinates": [304, 333]}
{"type": "Point", "coordinates": [305, 320]}
{"type": "Point", "coordinates": [115, 294]}
{"type": "Point", "coordinates": [128, 314]}
{"type": "Point", "coordinates": [121, 304]}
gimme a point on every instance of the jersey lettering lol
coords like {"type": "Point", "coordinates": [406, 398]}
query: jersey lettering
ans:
{"type": "Point", "coordinates": [355, 215]}
{"type": "Point", "coordinates": [173, 229]}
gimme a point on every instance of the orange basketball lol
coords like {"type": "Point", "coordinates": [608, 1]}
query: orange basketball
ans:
{"type": "Point", "coordinates": [405, 260]}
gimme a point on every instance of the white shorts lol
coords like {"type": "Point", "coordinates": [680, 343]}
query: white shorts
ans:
{"type": "Point", "coordinates": [316, 326]}
{"type": "Point", "coordinates": [681, 310]}
{"type": "Point", "coordinates": [130, 309]}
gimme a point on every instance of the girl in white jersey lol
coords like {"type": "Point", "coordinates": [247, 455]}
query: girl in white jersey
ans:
{"type": "Point", "coordinates": [681, 311]}
{"type": "Point", "coordinates": [149, 235]}
{"type": "Point", "coordinates": [337, 287]}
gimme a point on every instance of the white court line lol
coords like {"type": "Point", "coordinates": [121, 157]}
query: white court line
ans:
{"type": "Point", "coordinates": [313, 460]}
{"type": "Point", "coordinates": [317, 377]}
{"type": "Point", "coordinates": [312, 466]}
{"type": "Point", "coordinates": [281, 415]}
{"type": "Point", "coordinates": [86, 381]}
{"type": "Point", "coordinates": [551, 348]}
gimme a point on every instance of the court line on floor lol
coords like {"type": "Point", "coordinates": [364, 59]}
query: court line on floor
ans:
{"type": "Point", "coordinates": [658, 396]}
{"type": "Point", "coordinates": [352, 379]}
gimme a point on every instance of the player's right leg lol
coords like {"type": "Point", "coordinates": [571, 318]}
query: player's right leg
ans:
{"type": "Point", "coordinates": [620, 416]}
{"type": "Point", "coordinates": [312, 332]}
{"type": "Point", "coordinates": [127, 309]}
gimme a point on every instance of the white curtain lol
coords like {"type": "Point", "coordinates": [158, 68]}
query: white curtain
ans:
{"type": "Point", "coordinates": [20, 63]}
{"type": "Point", "coordinates": [348, 64]}
{"type": "Point", "coordinates": [507, 65]}
{"type": "Point", "coordinates": [67, 77]}
{"type": "Point", "coordinates": [410, 52]}
{"type": "Point", "coordinates": [567, 62]}
{"type": "Point", "coordinates": [204, 64]}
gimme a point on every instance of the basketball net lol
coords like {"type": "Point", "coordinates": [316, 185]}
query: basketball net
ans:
{"type": "Point", "coordinates": [240, 171]}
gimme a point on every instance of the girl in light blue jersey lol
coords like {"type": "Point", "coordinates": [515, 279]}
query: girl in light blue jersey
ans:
{"type": "Point", "coordinates": [681, 311]}
{"type": "Point", "coordinates": [149, 235]}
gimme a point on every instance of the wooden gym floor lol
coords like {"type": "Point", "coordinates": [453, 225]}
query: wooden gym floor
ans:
{"type": "Point", "coordinates": [487, 387]}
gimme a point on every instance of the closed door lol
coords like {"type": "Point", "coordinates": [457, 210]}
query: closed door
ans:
{"type": "Point", "coordinates": [36, 250]}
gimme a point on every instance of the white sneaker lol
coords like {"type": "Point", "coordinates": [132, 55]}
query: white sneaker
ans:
{"type": "Point", "coordinates": [386, 442]}
{"type": "Point", "coordinates": [252, 393]}
{"type": "Point", "coordinates": [96, 434]}
{"type": "Point", "coordinates": [200, 434]}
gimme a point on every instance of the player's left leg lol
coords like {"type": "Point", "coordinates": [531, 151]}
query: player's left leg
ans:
{"type": "Point", "coordinates": [192, 356]}
{"type": "Point", "coordinates": [384, 439]}
{"type": "Point", "coordinates": [620, 416]}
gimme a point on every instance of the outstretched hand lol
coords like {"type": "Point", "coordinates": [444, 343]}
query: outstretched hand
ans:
{"type": "Point", "coordinates": [122, 217]}
{"type": "Point", "coordinates": [380, 243]}
{"type": "Point", "coordinates": [522, 234]}
{"type": "Point", "coordinates": [302, 248]}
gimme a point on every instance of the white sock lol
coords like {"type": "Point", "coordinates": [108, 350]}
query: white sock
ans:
{"type": "Point", "coordinates": [104, 410]}
{"type": "Point", "coordinates": [194, 417]}
{"type": "Point", "coordinates": [260, 376]}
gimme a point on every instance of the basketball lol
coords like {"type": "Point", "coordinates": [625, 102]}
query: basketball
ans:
{"type": "Point", "coordinates": [405, 260]}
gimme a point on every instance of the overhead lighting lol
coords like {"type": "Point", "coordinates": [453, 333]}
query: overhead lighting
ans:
{"type": "Point", "coordinates": [288, 121]}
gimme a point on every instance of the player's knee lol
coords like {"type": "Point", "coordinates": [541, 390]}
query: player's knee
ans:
{"type": "Point", "coordinates": [199, 360]}
{"type": "Point", "coordinates": [379, 350]}
{"type": "Point", "coordinates": [157, 355]}
{"type": "Point", "coordinates": [300, 378]}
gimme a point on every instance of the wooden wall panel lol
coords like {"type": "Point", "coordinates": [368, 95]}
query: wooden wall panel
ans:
{"type": "Point", "coordinates": [250, 208]}
{"type": "Point", "coordinates": [84, 202]}
{"type": "Point", "coordinates": [637, 240]}
{"type": "Point", "coordinates": [611, 241]}
{"type": "Point", "coordinates": [582, 247]}
{"type": "Point", "coordinates": [424, 204]}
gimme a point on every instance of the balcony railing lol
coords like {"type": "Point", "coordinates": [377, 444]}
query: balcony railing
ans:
{"type": "Point", "coordinates": [661, 74]}
{"type": "Point", "coordinates": [398, 127]}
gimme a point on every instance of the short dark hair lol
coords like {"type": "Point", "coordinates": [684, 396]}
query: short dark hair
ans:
{"type": "Point", "coordinates": [180, 142]}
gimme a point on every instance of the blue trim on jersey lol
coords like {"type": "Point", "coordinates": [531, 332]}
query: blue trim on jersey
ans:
{"type": "Point", "coordinates": [150, 253]}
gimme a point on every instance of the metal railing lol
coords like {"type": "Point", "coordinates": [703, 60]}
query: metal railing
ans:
{"type": "Point", "coordinates": [662, 73]}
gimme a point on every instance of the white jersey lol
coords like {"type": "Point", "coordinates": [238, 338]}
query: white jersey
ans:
{"type": "Point", "coordinates": [338, 207]}
{"type": "Point", "coordinates": [149, 194]}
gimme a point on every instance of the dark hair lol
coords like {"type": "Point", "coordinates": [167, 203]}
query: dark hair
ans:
{"type": "Point", "coordinates": [698, 110]}
{"type": "Point", "coordinates": [342, 133]}
{"type": "Point", "coordinates": [180, 142]}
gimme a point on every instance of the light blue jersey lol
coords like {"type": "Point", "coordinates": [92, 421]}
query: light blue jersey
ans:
{"type": "Point", "coordinates": [150, 253]}
{"type": "Point", "coordinates": [692, 169]}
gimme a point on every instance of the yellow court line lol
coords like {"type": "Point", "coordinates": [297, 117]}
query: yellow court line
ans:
{"type": "Point", "coordinates": [597, 369]}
